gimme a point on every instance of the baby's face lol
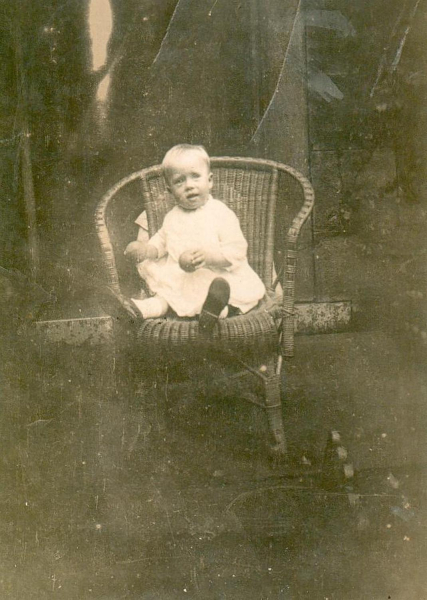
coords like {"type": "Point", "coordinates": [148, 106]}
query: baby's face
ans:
{"type": "Point", "coordinates": [190, 181]}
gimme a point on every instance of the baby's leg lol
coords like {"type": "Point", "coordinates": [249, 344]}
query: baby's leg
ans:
{"type": "Point", "coordinates": [214, 306]}
{"type": "Point", "coordinates": [151, 307]}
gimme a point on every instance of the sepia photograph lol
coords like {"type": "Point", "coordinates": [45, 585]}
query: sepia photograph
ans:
{"type": "Point", "coordinates": [213, 331]}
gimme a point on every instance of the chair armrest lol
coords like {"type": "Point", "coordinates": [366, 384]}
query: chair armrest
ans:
{"type": "Point", "coordinates": [107, 249]}
{"type": "Point", "coordinates": [288, 312]}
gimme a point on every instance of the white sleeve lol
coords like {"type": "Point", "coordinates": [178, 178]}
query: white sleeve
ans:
{"type": "Point", "coordinates": [231, 239]}
{"type": "Point", "coordinates": [142, 220]}
{"type": "Point", "coordinates": [142, 235]}
{"type": "Point", "coordinates": [142, 223]}
{"type": "Point", "coordinates": [159, 241]}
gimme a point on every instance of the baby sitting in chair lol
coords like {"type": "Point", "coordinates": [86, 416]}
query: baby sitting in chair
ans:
{"type": "Point", "coordinates": [196, 264]}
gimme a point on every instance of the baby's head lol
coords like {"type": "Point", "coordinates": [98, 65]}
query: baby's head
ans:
{"type": "Point", "coordinates": [188, 176]}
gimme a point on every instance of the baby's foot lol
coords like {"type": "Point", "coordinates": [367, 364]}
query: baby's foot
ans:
{"type": "Point", "coordinates": [216, 300]}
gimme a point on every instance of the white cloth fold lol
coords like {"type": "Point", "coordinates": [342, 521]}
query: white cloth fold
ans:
{"type": "Point", "coordinates": [211, 227]}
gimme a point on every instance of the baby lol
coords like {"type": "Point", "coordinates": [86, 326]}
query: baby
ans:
{"type": "Point", "coordinates": [196, 264]}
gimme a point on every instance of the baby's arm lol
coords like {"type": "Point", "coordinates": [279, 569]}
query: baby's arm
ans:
{"type": "Point", "coordinates": [232, 242]}
{"type": "Point", "coordinates": [230, 251]}
{"type": "Point", "coordinates": [145, 247]}
{"type": "Point", "coordinates": [190, 260]}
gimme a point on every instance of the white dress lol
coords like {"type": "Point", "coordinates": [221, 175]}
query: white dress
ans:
{"type": "Point", "coordinates": [213, 226]}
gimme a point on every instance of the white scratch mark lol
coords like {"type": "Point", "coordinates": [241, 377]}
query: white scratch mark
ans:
{"type": "Point", "coordinates": [400, 49]}
{"type": "Point", "coordinates": [384, 56]}
{"type": "Point", "coordinates": [102, 92]}
{"type": "Point", "coordinates": [282, 71]}
{"type": "Point", "coordinates": [39, 421]}
{"type": "Point", "coordinates": [134, 441]}
{"type": "Point", "coordinates": [123, 432]}
{"type": "Point", "coordinates": [167, 33]}
{"type": "Point", "coordinates": [303, 489]}
{"type": "Point", "coordinates": [398, 55]}
{"type": "Point", "coordinates": [100, 29]}
{"type": "Point", "coordinates": [403, 40]}
{"type": "Point", "coordinates": [133, 561]}
{"type": "Point", "coordinates": [212, 7]}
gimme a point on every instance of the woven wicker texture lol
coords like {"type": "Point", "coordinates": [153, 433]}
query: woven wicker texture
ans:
{"type": "Point", "coordinates": [253, 333]}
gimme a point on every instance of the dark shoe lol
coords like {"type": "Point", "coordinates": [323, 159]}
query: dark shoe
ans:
{"type": "Point", "coordinates": [216, 300]}
{"type": "Point", "coordinates": [117, 306]}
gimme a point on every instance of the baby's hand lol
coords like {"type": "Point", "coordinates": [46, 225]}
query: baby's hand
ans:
{"type": "Point", "coordinates": [139, 251]}
{"type": "Point", "coordinates": [190, 260]}
{"type": "Point", "coordinates": [135, 251]}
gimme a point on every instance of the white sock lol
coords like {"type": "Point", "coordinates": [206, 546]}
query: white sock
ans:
{"type": "Point", "coordinates": [224, 313]}
{"type": "Point", "coordinates": [151, 307]}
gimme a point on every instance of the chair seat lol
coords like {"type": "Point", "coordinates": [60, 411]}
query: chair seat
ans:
{"type": "Point", "coordinates": [255, 331]}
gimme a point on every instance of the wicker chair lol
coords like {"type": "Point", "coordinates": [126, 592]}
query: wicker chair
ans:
{"type": "Point", "coordinates": [263, 194]}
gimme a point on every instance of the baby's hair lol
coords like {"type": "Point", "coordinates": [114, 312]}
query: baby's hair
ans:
{"type": "Point", "coordinates": [180, 149]}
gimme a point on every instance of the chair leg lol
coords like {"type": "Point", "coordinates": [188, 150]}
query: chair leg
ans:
{"type": "Point", "coordinates": [273, 406]}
